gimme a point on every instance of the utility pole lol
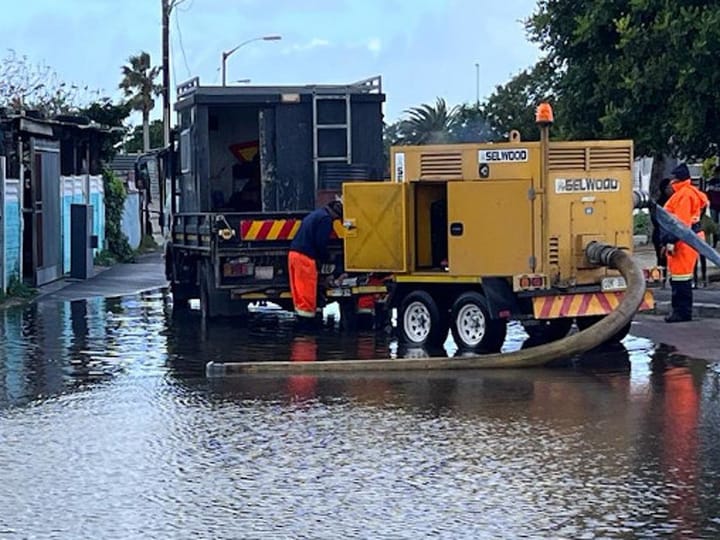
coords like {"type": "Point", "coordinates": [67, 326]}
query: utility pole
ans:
{"type": "Point", "coordinates": [166, 7]}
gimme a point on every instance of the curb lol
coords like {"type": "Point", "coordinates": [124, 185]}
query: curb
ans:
{"type": "Point", "coordinates": [700, 310]}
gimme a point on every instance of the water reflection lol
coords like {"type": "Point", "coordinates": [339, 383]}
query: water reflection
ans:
{"type": "Point", "coordinates": [109, 429]}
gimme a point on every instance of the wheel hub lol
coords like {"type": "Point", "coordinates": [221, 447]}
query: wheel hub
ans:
{"type": "Point", "coordinates": [417, 322]}
{"type": "Point", "coordinates": [471, 324]}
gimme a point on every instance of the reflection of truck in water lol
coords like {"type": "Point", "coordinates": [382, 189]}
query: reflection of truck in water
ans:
{"type": "Point", "coordinates": [252, 161]}
{"type": "Point", "coordinates": [462, 238]}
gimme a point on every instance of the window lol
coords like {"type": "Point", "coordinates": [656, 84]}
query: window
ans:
{"type": "Point", "coordinates": [185, 155]}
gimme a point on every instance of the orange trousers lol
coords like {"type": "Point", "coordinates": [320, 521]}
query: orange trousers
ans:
{"type": "Point", "coordinates": [303, 275]}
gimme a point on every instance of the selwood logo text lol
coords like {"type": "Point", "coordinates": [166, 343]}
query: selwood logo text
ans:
{"type": "Point", "coordinates": [575, 185]}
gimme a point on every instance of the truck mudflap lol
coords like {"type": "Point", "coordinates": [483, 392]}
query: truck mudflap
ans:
{"type": "Point", "coordinates": [583, 304]}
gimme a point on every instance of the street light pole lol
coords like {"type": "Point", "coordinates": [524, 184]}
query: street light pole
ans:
{"type": "Point", "coordinates": [226, 54]}
{"type": "Point", "coordinates": [477, 85]}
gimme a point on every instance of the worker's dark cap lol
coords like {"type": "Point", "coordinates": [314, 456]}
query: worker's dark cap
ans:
{"type": "Point", "coordinates": [335, 208]}
{"type": "Point", "coordinates": [681, 172]}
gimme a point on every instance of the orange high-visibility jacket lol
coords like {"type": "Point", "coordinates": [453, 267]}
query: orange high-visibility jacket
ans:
{"type": "Point", "coordinates": [687, 204]}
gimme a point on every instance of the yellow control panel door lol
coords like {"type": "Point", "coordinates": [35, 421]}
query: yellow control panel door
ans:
{"type": "Point", "coordinates": [489, 228]}
{"type": "Point", "coordinates": [374, 215]}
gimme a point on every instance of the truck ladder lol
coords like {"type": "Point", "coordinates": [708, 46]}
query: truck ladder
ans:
{"type": "Point", "coordinates": [319, 98]}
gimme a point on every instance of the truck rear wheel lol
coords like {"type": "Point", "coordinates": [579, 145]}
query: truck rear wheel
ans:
{"type": "Point", "coordinates": [586, 322]}
{"type": "Point", "coordinates": [420, 321]}
{"type": "Point", "coordinates": [181, 294]}
{"type": "Point", "coordinates": [472, 328]}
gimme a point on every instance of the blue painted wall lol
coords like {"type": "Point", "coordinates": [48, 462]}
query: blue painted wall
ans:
{"type": "Point", "coordinates": [13, 231]}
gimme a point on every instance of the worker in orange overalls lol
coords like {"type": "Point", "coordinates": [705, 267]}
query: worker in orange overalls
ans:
{"type": "Point", "coordinates": [308, 250]}
{"type": "Point", "coordinates": [687, 204]}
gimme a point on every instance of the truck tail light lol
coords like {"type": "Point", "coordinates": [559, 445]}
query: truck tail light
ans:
{"type": "Point", "coordinates": [529, 282]}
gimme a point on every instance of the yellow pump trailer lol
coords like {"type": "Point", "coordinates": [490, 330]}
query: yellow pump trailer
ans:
{"type": "Point", "coordinates": [470, 236]}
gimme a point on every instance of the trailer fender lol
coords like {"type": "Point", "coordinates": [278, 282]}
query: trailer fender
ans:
{"type": "Point", "coordinates": [501, 299]}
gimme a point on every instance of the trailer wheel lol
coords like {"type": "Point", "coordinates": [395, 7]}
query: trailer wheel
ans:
{"type": "Point", "coordinates": [472, 328]}
{"type": "Point", "coordinates": [586, 322]}
{"type": "Point", "coordinates": [420, 321]}
{"type": "Point", "coordinates": [548, 330]}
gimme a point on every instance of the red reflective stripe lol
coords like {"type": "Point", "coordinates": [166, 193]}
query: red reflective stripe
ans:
{"type": "Point", "coordinates": [264, 229]}
{"type": "Point", "coordinates": [584, 303]}
{"type": "Point", "coordinates": [245, 228]}
{"type": "Point", "coordinates": [566, 303]}
{"type": "Point", "coordinates": [286, 229]}
{"type": "Point", "coordinates": [603, 302]}
{"type": "Point", "coordinates": [546, 308]}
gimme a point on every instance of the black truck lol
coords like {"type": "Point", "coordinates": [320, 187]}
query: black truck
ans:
{"type": "Point", "coordinates": [247, 164]}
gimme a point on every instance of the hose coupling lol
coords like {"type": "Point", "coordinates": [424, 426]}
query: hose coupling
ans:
{"type": "Point", "coordinates": [601, 254]}
{"type": "Point", "coordinates": [641, 199]}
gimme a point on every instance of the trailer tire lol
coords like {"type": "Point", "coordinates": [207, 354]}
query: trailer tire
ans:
{"type": "Point", "coordinates": [471, 325]}
{"type": "Point", "coordinates": [548, 330]}
{"type": "Point", "coordinates": [420, 322]}
{"type": "Point", "coordinates": [586, 322]}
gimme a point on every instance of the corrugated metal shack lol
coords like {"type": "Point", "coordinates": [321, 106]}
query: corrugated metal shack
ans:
{"type": "Point", "coordinates": [276, 148]}
{"type": "Point", "coordinates": [47, 164]}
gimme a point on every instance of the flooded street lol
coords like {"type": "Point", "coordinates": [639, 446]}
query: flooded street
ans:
{"type": "Point", "coordinates": [110, 429]}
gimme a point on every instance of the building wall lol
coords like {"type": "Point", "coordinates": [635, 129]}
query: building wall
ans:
{"type": "Point", "coordinates": [131, 219]}
{"type": "Point", "coordinates": [73, 191]}
{"type": "Point", "coordinates": [12, 232]}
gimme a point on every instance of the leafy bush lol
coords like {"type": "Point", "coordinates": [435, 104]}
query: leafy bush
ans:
{"type": "Point", "coordinates": [115, 195]}
{"type": "Point", "coordinates": [18, 289]}
{"type": "Point", "coordinates": [642, 223]}
{"type": "Point", "coordinates": [104, 258]}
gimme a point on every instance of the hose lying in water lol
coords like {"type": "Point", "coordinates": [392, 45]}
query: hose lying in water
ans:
{"type": "Point", "coordinates": [572, 345]}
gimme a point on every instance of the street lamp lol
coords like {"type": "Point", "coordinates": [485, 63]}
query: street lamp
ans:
{"type": "Point", "coordinates": [226, 54]}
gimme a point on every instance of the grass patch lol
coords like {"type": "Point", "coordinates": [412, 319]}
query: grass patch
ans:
{"type": "Point", "coordinates": [147, 245]}
{"type": "Point", "coordinates": [17, 293]}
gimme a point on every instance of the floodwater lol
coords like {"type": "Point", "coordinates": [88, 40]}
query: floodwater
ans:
{"type": "Point", "coordinates": [110, 429]}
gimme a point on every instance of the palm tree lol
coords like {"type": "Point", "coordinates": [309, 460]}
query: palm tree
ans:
{"type": "Point", "coordinates": [429, 124]}
{"type": "Point", "coordinates": [138, 84]}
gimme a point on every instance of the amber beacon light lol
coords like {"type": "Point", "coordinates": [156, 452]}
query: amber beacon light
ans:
{"type": "Point", "coordinates": [544, 114]}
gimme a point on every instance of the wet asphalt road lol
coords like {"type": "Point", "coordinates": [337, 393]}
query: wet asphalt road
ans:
{"type": "Point", "coordinates": [109, 429]}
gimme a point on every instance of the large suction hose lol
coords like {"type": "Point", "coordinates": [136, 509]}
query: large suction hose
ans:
{"type": "Point", "coordinates": [577, 343]}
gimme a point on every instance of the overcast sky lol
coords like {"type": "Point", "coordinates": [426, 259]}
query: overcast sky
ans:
{"type": "Point", "coordinates": [422, 48]}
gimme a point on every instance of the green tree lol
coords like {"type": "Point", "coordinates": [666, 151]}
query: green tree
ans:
{"type": "Point", "coordinates": [391, 137]}
{"type": "Point", "coordinates": [512, 105]}
{"type": "Point", "coordinates": [135, 142]}
{"type": "Point", "coordinates": [472, 125]}
{"type": "Point", "coordinates": [429, 124]}
{"type": "Point", "coordinates": [138, 84]}
{"type": "Point", "coordinates": [107, 113]}
{"type": "Point", "coordinates": [641, 69]}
